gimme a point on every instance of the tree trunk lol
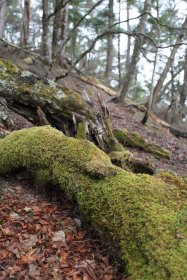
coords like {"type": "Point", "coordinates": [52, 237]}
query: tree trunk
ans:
{"type": "Point", "coordinates": [56, 39]}
{"type": "Point", "coordinates": [149, 107]}
{"type": "Point", "coordinates": [129, 37]}
{"type": "Point", "coordinates": [3, 8]}
{"type": "Point", "coordinates": [26, 22]}
{"type": "Point", "coordinates": [183, 94]}
{"type": "Point", "coordinates": [64, 29]}
{"type": "Point", "coordinates": [60, 29]}
{"type": "Point", "coordinates": [169, 62]}
{"type": "Point", "coordinates": [127, 80]}
{"type": "Point", "coordinates": [109, 58]}
{"type": "Point", "coordinates": [119, 47]}
{"type": "Point", "coordinates": [45, 34]}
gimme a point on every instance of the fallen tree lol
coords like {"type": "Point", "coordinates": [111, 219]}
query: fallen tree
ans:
{"type": "Point", "coordinates": [143, 216]}
{"type": "Point", "coordinates": [41, 101]}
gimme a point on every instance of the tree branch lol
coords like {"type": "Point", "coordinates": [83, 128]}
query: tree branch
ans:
{"type": "Point", "coordinates": [157, 20]}
{"type": "Point", "coordinates": [60, 6]}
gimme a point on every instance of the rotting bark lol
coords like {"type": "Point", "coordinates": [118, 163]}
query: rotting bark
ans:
{"type": "Point", "coordinates": [28, 95]}
{"type": "Point", "coordinates": [143, 216]}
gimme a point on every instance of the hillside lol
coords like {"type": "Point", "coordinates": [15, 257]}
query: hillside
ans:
{"type": "Point", "coordinates": [149, 194]}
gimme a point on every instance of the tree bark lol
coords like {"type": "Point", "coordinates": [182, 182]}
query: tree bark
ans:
{"type": "Point", "coordinates": [169, 62]}
{"type": "Point", "coordinates": [3, 8]}
{"type": "Point", "coordinates": [127, 80]}
{"type": "Point", "coordinates": [26, 22]}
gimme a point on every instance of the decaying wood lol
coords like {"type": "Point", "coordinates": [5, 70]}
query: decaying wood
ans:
{"type": "Point", "coordinates": [41, 101]}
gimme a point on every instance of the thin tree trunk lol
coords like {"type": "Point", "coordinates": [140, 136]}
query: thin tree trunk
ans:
{"type": "Point", "coordinates": [109, 58]}
{"type": "Point", "coordinates": [64, 29]}
{"type": "Point", "coordinates": [26, 22]}
{"type": "Point", "coordinates": [149, 107]}
{"type": "Point", "coordinates": [135, 57]}
{"type": "Point", "coordinates": [119, 47]}
{"type": "Point", "coordinates": [183, 95]}
{"type": "Point", "coordinates": [180, 114]}
{"type": "Point", "coordinates": [169, 62]}
{"type": "Point", "coordinates": [129, 37]}
{"type": "Point", "coordinates": [56, 40]}
{"type": "Point", "coordinates": [3, 8]}
{"type": "Point", "coordinates": [45, 34]}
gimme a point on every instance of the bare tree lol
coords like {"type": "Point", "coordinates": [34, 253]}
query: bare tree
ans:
{"type": "Point", "coordinates": [3, 8]}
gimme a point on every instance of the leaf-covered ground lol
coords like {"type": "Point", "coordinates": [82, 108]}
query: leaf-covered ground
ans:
{"type": "Point", "coordinates": [42, 237]}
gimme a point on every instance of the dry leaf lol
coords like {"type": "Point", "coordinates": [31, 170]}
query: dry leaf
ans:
{"type": "Point", "coordinates": [59, 236]}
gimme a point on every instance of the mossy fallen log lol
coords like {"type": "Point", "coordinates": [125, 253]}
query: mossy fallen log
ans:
{"type": "Point", "coordinates": [129, 162]}
{"type": "Point", "coordinates": [143, 216]}
{"type": "Point", "coordinates": [134, 139]}
{"type": "Point", "coordinates": [31, 97]}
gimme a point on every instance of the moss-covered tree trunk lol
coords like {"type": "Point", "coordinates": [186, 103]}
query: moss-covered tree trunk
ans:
{"type": "Point", "coordinates": [143, 216]}
{"type": "Point", "coordinates": [42, 101]}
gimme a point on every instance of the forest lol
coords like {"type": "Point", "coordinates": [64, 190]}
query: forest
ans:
{"type": "Point", "coordinates": [93, 139]}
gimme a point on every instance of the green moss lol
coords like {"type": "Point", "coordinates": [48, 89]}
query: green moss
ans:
{"type": "Point", "coordinates": [143, 216]}
{"type": "Point", "coordinates": [81, 133]}
{"type": "Point", "coordinates": [8, 68]}
{"type": "Point", "coordinates": [134, 139]}
{"type": "Point", "coordinates": [113, 143]}
{"type": "Point", "coordinates": [129, 162]}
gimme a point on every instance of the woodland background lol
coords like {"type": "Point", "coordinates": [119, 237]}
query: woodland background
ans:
{"type": "Point", "coordinates": [138, 48]}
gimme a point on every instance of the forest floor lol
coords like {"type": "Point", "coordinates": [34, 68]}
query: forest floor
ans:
{"type": "Point", "coordinates": [41, 233]}
{"type": "Point", "coordinates": [42, 237]}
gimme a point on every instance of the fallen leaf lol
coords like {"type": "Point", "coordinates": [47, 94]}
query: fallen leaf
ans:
{"type": "Point", "coordinates": [4, 254]}
{"type": "Point", "coordinates": [14, 216]}
{"type": "Point", "coordinates": [29, 259]}
{"type": "Point", "coordinates": [59, 236]}
{"type": "Point", "coordinates": [63, 257]}
{"type": "Point", "coordinates": [7, 231]}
